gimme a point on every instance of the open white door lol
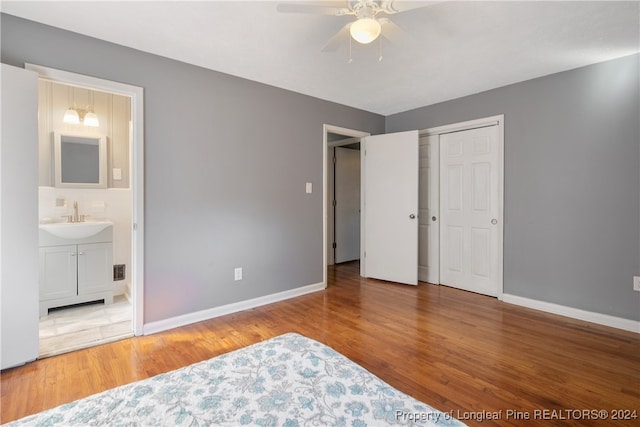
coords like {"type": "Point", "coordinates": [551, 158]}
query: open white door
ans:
{"type": "Point", "coordinates": [18, 217]}
{"type": "Point", "coordinates": [390, 181]}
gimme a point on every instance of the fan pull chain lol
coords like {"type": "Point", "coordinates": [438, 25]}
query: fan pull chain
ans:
{"type": "Point", "coordinates": [350, 56]}
{"type": "Point", "coordinates": [380, 44]}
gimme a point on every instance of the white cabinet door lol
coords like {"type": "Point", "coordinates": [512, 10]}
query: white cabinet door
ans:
{"type": "Point", "coordinates": [94, 268]}
{"type": "Point", "coordinates": [390, 178]}
{"type": "Point", "coordinates": [58, 272]}
{"type": "Point", "coordinates": [470, 206]}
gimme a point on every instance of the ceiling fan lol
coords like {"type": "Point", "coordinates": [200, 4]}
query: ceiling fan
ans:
{"type": "Point", "coordinates": [370, 23]}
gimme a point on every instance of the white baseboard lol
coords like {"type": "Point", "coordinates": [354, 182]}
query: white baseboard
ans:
{"type": "Point", "coordinates": [575, 313]}
{"type": "Point", "coordinates": [186, 319]}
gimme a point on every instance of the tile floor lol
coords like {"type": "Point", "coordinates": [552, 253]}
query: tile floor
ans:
{"type": "Point", "coordinates": [85, 326]}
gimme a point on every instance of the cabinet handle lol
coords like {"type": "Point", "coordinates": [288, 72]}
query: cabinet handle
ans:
{"type": "Point", "coordinates": [81, 253]}
{"type": "Point", "coordinates": [72, 254]}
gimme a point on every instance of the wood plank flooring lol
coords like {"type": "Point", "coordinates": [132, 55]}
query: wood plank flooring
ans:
{"type": "Point", "coordinates": [457, 351]}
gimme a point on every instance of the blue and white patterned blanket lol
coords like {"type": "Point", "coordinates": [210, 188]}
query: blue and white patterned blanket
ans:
{"type": "Point", "coordinates": [286, 381]}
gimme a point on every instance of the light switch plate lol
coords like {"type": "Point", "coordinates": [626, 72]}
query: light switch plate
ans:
{"type": "Point", "coordinates": [238, 273]}
{"type": "Point", "coordinates": [309, 187]}
{"type": "Point", "coordinates": [117, 174]}
{"type": "Point", "coordinates": [636, 283]}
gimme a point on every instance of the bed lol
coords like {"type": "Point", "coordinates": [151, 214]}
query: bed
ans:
{"type": "Point", "coordinates": [288, 381]}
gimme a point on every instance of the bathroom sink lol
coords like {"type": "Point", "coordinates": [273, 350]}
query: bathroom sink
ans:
{"type": "Point", "coordinates": [75, 230]}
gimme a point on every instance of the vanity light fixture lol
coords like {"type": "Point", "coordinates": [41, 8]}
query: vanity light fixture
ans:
{"type": "Point", "coordinates": [76, 115]}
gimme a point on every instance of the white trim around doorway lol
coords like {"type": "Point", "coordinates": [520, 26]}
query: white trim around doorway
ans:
{"type": "Point", "coordinates": [137, 176]}
{"type": "Point", "coordinates": [326, 129]}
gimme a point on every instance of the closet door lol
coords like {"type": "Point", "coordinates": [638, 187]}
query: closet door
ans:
{"type": "Point", "coordinates": [471, 213]}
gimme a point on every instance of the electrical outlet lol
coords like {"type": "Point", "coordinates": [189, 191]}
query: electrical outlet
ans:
{"type": "Point", "coordinates": [636, 283]}
{"type": "Point", "coordinates": [238, 273]}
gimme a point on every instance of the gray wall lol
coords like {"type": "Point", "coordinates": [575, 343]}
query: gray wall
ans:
{"type": "Point", "coordinates": [572, 182]}
{"type": "Point", "coordinates": [226, 161]}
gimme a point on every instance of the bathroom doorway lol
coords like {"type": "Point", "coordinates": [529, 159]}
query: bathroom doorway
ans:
{"type": "Point", "coordinates": [111, 111]}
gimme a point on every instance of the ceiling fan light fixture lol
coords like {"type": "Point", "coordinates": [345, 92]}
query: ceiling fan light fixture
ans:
{"type": "Point", "coordinates": [365, 30]}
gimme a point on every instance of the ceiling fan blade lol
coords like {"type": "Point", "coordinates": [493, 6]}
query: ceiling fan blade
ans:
{"type": "Point", "coordinates": [393, 32]}
{"type": "Point", "coordinates": [328, 8]}
{"type": "Point", "coordinates": [340, 37]}
{"type": "Point", "coordinates": [397, 6]}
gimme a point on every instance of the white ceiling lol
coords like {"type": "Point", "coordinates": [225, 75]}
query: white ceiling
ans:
{"type": "Point", "coordinates": [455, 48]}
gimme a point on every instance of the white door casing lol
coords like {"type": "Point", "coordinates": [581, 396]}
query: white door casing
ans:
{"type": "Point", "coordinates": [390, 207]}
{"type": "Point", "coordinates": [347, 207]}
{"type": "Point", "coordinates": [429, 202]}
{"type": "Point", "coordinates": [327, 177]}
{"type": "Point", "coordinates": [329, 220]}
{"type": "Point", "coordinates": [471, 210]}
{"type": "Point", "coordinates": [136, 94]}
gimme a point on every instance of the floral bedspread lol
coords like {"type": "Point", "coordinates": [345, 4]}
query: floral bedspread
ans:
{"type": "Point", "coordinates": [286, 381]}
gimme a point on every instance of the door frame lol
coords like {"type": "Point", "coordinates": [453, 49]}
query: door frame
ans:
{"type": "Point", "coordinates": [137, 173]}
{"type": "Point", "coordinates": [352, 133]}
{"type": "Point", "coordinates": [473, 124]}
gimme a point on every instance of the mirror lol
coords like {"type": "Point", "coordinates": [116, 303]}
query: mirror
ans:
{"type": "Point", "coordinates": [80, 161]}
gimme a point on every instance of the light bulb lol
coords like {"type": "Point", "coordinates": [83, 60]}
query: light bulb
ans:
{"type": "Point", "coordinates": [71, 116]}
{"type": "Point", "coordinates": [365, 30]}
{"type": "Point", "coordinates": [91, 119]}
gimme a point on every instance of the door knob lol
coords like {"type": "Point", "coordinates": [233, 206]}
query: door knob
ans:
{"type": "Point", "coordinates": [412, 216]}
{"type": "Point", "coordinates": [433, 218]}
{"type": "Point", "coordinates": [494, 221]}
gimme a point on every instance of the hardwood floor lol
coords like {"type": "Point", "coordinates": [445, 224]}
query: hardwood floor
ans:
{"type": "Point", "coordinates": [454, 350]}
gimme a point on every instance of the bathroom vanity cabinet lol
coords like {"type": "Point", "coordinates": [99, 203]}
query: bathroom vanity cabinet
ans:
{"type": "Point", "coordinates": [75, 271]}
